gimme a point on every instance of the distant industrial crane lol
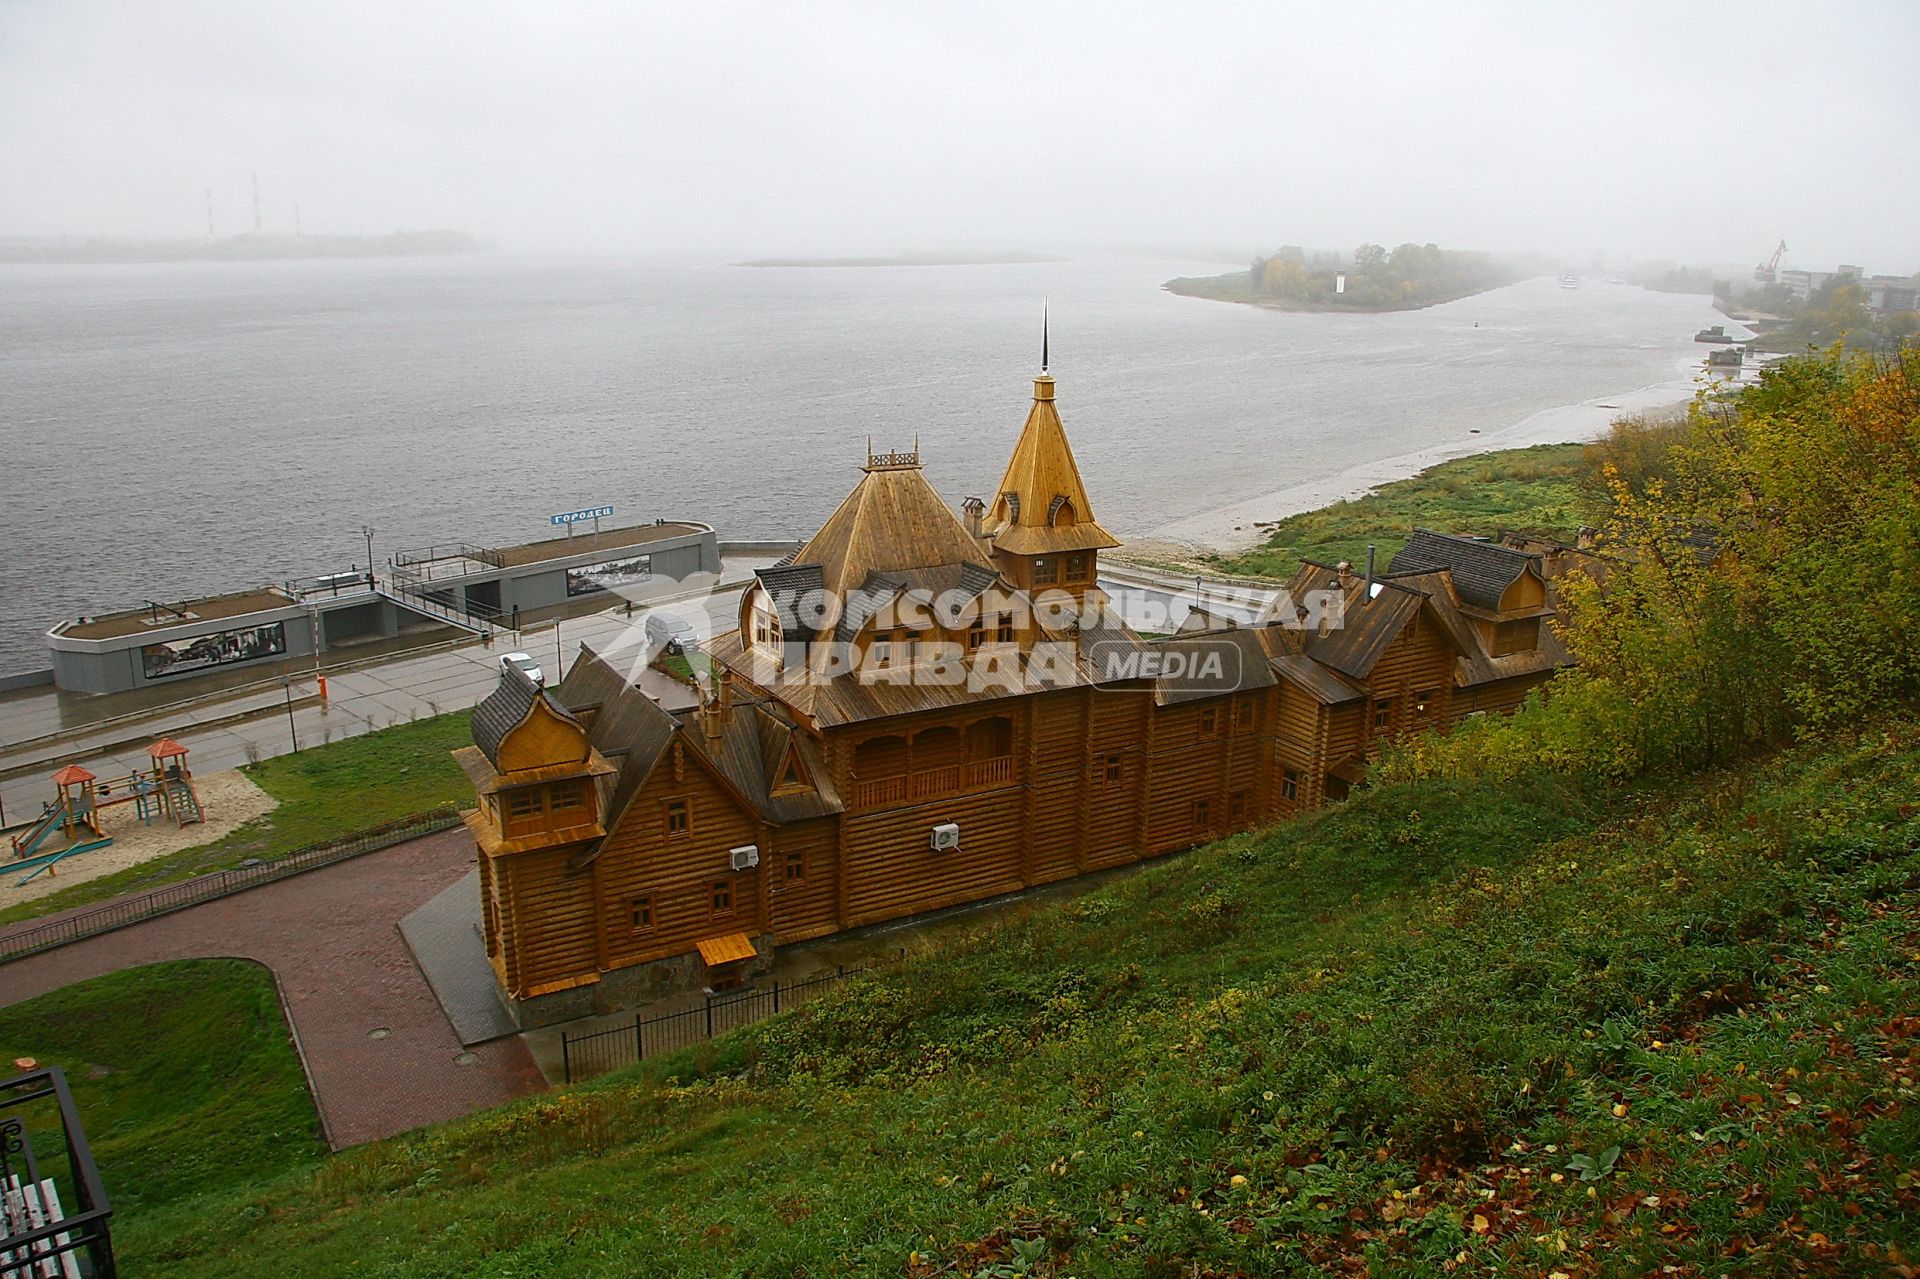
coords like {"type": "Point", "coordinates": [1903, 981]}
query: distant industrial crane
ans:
{"type": "Point", "coordinates": [1764, 273]}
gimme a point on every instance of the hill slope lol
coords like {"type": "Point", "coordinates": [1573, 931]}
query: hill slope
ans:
{"type": "Point", "coordinates": [1445, 1020]}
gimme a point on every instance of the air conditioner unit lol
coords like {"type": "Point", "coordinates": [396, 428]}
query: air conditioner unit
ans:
{"type": "Point", "coordinates": [945, 836]}
{"type": "Point", "coordinates": [745, 857]}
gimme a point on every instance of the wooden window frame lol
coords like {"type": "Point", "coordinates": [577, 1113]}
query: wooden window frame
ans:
{"type": "Point", "coordinates": [1076, 569]}
{"type": "Point", "coordinates": [1201, 814]}
{"type": "Point", "coordinates": [1113, 769]}
{"type": "Point", "coordinates": [720, 900]}
{"type": "Point", "coordinates": [1382, 714]}
{"type": "Point", "coordinates": [1003, 632]}
{"type": "Point", "coordinates": [565, 796]}
{"type": "Point", "coordinates": [1290, 785]}
{"type": "Point", "coordinates": [1045, 573]}
{"type": "Point", "coordinates": [1423, 701]}
{"type": "Point", "coordinates": [1209, 721]}
{"type": "Point", "coordinates": [677, 807]}
{"type": "Point", "coordinates": [640, 913]}
{"type": "Point", "coordinates": [795, 866]}
{"type": "Point", "coordinates": [1244, 713]}
{"type": "Point", "coordinates": [1240, 807]}
{"type": "Point", "coordinates": [524, 802]}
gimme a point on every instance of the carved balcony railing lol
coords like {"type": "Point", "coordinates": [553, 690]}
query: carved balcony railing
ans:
{"type": "Point", "coordinates": [932, 783]}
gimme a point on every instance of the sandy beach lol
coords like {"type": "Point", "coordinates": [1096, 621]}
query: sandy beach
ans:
{"type": "Point", "coordinates": [230, 800]}
{"type": "Point", "coordinates": [1233, 527]}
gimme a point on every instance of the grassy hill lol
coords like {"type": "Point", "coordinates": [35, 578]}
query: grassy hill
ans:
{"type": "Point", "coordinates": [184, 1075]}
{"type": "Point", "coordinates": [1533, 1023]}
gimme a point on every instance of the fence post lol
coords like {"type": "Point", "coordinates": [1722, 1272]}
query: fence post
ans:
{"type": "Point", "coordinates": [566, 1059]}
{"type": "Point", "coordinates": [709, 1014]}
{"type": "Point", "coordinates": [776, 996]}
{"type": "Point", "coordinates": [639, 1038]}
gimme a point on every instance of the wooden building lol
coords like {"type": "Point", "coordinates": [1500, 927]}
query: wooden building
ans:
{"type": "Point", "coordinates": [919, 710]}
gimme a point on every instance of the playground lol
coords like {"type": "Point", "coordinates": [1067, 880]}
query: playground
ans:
{"type": "Point", "coordinates": [93, 826]}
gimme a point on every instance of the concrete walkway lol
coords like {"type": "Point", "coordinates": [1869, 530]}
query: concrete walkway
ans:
{"type": "Point", "coordinates": [380, 1055]}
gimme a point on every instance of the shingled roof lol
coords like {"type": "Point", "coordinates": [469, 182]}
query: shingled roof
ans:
{"type": "Point", "coordinates": [1482, 571]}
{"type": "Point", "coordinates": [503, 710]}
{"type": "Point", "coordinates": [624, 725]}
{"type": "Point", "coordinates": [1041, 480]}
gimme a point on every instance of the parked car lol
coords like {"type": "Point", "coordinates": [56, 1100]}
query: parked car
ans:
{"type": "Point", "coordinates": [524, 663]}
{"type": "Point", "coordinates": [671, 634]}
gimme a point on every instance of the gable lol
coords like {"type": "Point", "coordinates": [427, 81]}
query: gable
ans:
{"type": "Point", "coordinates": [542, 740]}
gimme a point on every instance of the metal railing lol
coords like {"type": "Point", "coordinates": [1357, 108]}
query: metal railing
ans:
{"type": "Point", "coordinates": [450, 551]}
{"type": "Point", "coordinates": [410, 592]}
{"type": "Point", "coordinates": [584, 1056]}
{"type": "Point", "coordinates": [40, 1233]}
{"type": "Point", "coordinates": [19, 942]}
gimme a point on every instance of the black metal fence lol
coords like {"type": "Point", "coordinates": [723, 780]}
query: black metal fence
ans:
{"type": "Point", "coordinates": [50, 1216]}
{"type": "Point", "coordinates": [584, 1056]}
{"type": "Point", "coordinates": [18, 943]}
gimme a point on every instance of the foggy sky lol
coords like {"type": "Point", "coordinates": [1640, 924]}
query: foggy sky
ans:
{"type": "Point", "coordinates": [1693, 132]}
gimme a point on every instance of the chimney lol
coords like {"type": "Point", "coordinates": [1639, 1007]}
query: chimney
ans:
{"type": "Point", "coordinates": [1369, 570]}
{"type": "Point", "coordinates": [716, 703]}
{"type": "Point", "coordinates": [975, 512]}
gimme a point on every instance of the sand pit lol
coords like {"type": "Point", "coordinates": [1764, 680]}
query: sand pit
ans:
{"type": "Point", "coordinates": [230, 801]}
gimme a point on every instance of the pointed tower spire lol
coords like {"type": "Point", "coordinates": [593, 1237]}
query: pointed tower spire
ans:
{"type": "Point", "coordinates": [1040, 521]}
{"type": "Point", "coordinates": [1046, 307]}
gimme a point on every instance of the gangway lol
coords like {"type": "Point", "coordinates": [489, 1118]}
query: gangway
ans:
{"type": "Point", "coordinates": [410, 592]}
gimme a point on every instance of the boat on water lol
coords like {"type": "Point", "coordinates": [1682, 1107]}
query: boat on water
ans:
{"type": "Point", "coordinates": [1568, 280]}
{"type": "Point", "coordinates": [1726, 358]}
{"type": "Point", "coordinates": [1718, 333]}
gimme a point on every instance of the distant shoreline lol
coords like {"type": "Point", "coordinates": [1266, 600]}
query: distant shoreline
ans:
{"type": "Point", "coordinates": [241, 248]}
{"type": "Point", "coordinates": [911, 259]}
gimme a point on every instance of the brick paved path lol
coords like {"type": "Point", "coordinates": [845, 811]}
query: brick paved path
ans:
{"type": "Point", "coordinates": [332, 938]}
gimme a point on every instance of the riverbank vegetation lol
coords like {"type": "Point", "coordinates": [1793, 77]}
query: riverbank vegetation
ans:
{"type": "Point", "coordinates": [1373, 278]}
{"type": "Point", "coordinates": [1623, 986]}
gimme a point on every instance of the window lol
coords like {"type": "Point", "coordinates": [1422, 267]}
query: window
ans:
{"type": "Point", "coordinates": [793, 777]}
{"type": "Point", "coordinates": [678, 819]}
{"type": "Point", "coordinates": [1383, 714]}
{"type": "Point", "coordinates": [563, 795]}
{"type": "Point", "coordinates": [796, 867]}
{"type": "Point", "coordinates": [976, 633]}
{"type": "Point", "coordinates": [1202, 814]}
{"type": "Point", "coordinates": [1521, 636]}
{"type": "Point", "coordinates": [889, 648]}
{"type": "Point", "coordinates": [1109, 769]}
{"type": "Point", "coordinates": [640, 911]}
{"type": "Point", "coordinates": [1044, 572]}
{"type": "Point", "coordinates": [1209, 721]}
{"type": "Point", "coordinates": [524, 802]}
{"type": "Point", "coordinates": [1243, 709]}
{"type": "Point", "coordinates": [1290, 784]}
{"type": "Point", "coordinates": [1076, 568]}
{"type": "Point", "coordinates": [1239, 808]}
{"type": "Point", "coordinates": [1003, 634]}
{"type": "Point", "coordinates": [723, 898]}
{"type": "Point", "coordinates": [1423, 705]}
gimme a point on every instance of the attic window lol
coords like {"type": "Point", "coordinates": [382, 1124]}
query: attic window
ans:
{"type": "Point", "coordinates": [1060, 513]}
{"type": "Point", "coordinates": [1013, 507]}
{"type": "Point", "coordinates": [792, 775]}
{"type": "Point", "coordinates": [1044, 572]}
{"type": "Point", "coordinates": [677, 820]}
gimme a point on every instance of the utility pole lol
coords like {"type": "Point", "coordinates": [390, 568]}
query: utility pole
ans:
{"type": "Point", "coordinates": [292, 732]}
{"type": "Point", "coordinates": [559, 659]}
{"type": "Point", "coordinates": [366, 531]}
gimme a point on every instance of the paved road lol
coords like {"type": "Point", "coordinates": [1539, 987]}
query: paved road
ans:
{"type": "Point", "coordinates": [380, 695]}
{"type": "Point", "coordinates": [332, 938]}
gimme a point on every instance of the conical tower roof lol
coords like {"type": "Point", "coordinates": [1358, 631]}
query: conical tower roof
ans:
{"type": "Point", "coordinates": [892, 520]}
{"type": "Point", "coordinates": [1042, 506]}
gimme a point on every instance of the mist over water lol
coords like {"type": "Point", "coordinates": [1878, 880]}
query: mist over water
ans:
{"type": "Point", "coordinates": [178, 430]}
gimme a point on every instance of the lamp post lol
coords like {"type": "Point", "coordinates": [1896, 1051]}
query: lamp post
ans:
{"type": "Point", "coordinates": [366, 531]}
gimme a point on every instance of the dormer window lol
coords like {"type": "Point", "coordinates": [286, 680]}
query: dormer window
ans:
{"type": "Point", "coordinates": [1076, 568]}
{"type": "Point", "coordinates": [1045, 572]}
{"type": "Point", "coordinates": [1521, 635]}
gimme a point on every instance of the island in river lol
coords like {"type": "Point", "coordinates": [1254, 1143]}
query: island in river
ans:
{"type": "Point", "coordinates": [1372, 278]}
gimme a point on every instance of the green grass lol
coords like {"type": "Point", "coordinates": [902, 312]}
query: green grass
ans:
{"type": "Point", "coordinates": [184, 1076]}
{"type": "Point", "coordinates": [1533, 490]}
{"type": "Point", "coordinates": [1538, 1025]}
{"type": "Point", "coordinates": [324, 792]}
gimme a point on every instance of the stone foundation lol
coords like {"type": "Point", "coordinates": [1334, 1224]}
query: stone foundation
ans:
{"type": "Point", "coordinates": [624, 988]}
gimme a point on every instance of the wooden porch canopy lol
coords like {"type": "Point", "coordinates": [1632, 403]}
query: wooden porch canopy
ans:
{"type": "Point", "coordinates": [730, 949]}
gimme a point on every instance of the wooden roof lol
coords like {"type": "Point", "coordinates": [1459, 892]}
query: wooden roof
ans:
{"type": "Point", "coordinates": [1481, 571]}
{"type": "Point", "coordinates": [70, 775]}
{"type": "Point", "coordinates": [730, 949]}
{"type": "Point", "coordinates": [165, 748]}
{"type": "Point", "coordinates": [892, 520]}
{"type": "Point", "coordinates": [1026, 515]}
{"type": "Point", "coordinates": [623, 724]}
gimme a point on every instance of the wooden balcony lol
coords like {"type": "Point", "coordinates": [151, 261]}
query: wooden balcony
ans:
{"type": "Point", "coordinates": [932, 783]}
